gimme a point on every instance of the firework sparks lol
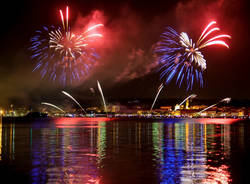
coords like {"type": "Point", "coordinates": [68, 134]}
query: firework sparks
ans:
{"type": "Point", "coordinates": [93, 27]}
{"type": "Point", "coordinates": [104, 103]}
{"type": "Point", "coordinates": [180, 57]}
{"type": "Point", "coordinates": [52, 105]}
{"type": "Point", "coordinates": [63, 55]}
{"type": "Point", "coordinates": [67, 94]}
{"type": "Point", "coordinates": [226, 100]}
{"type": "Point", "coordinates": [157, 94]}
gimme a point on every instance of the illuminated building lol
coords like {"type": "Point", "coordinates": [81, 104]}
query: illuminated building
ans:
{"type": "Point", "coordinates": [176, 113]}
{"type": "Point", "coordinates": [187, 104]}
{"type": "Point", "coordinates": [241, 113]}
{"type": "Point", "coordinates": [177, 107]}
{"type": "Point", "coordinates": [1, 113]}
{"type": "Point", "coordinates": [21, 111]}
{"type": "Point", "coordinates": [198, 107]}
{"type": "Point", "coordinates": [211, 113]}
{"type": "Point", "coordinates": [115, 108]}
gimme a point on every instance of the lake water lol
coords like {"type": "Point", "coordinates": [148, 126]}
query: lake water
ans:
{"type": "Point", "coordinates": [73, 150]}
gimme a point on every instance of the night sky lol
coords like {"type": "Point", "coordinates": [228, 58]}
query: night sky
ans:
{"type": "Point", "coordinates": [126, 69]}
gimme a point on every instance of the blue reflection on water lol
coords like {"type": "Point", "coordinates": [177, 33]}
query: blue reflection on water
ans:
{"type": "Point", "coordinates": [62, 155]}
{"type": "Point", "coordinates": [72, 151]}
{"type": "Point", "coordinates": [173, 160]}
{"type": "Point", "coordinates": [185, 149]}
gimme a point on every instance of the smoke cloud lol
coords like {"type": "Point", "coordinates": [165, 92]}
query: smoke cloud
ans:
{"type": "Point", "coordinates": [139, 64]}
{"type": "Point", "coordinates": [126, 48]}
{"type": "Point", "coordinates": [193, 14]}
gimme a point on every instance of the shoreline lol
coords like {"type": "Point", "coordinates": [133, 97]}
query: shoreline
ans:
{"type": "Point", "coordinates": [114, 118]}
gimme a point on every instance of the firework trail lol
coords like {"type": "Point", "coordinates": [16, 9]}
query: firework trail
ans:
{"type": "Point", "coordinates": [67, 94]}
{"type": "Point", "coordinates": [104, 103]}
{"type": "Point", "coordinates": [226, 100]}
{"type": "Point", "coordinates": [63, 55]}
{"type": "Point", "coordinates": [49, 104]}
{"type": "Point", "coordinates": [180, 57]}
{"type": "Point", "coordinates": [190, 96]}
{"type": "Point", "coordinates": [158, 92]}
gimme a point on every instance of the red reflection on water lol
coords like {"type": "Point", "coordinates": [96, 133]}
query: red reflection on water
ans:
{"type": "Point", "coordinates": [74, 126]}
{"type": "Point", "coordinates": [218, 120]}
{"type": "Point", "coordinates": [94, 181]}
{"type": "Point", "coordinates": [217, 175]}
{"type": "Point", "coordinates": [91, 122]}
{"type": "Point", "coordinates": [92, 154]}
{"type": "Point", "coordinates": [218, 135]}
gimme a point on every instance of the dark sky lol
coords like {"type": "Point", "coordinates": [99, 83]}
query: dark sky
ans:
{"type": "Point", "coordinates": [126, 68]}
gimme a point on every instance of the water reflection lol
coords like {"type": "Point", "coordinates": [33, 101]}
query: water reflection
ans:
{"type": "Point", "coordinates": [72, 150]}
{"type": "Point", "coordinates": [7, 142]}
{"type": "Point", "coordinates": [190, 152]}
{"type": "Point", "coordinates": [68, 154]}
{"type": "Point", "coordinates": [1, 138]}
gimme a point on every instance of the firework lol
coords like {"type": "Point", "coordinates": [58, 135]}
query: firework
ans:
{"type": "Point", "coordinates": [189, 97]}
{"type": "Point", "coordinates": [51, 105]}
{"type": "Point", "coordinates": [62, 54]}
{"type": "Point", "coordinates": [226, 100]}
{"type": "Point", "coordinates": [157, 94]}
{"type": "Point", "coordinates": [67, 94]}
{"type": "Point", "coordinates": [104, 103]}
{"type": "Point", "coordinates": [180, 57]}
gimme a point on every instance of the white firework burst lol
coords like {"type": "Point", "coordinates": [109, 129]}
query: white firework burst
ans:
{"type": "Point", "coordinates": [194, 54]}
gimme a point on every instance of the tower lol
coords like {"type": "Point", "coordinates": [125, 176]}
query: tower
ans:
{"type": "Point", "coordinates": [187, 104]}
